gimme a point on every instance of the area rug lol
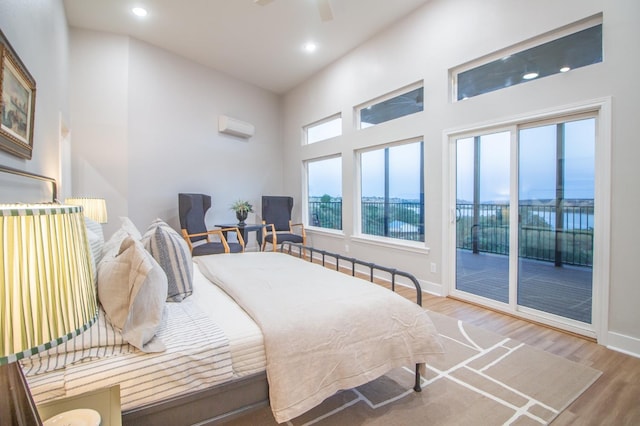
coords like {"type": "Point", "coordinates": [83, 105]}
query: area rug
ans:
{"type": "Point", "coordinates": [482, 379]}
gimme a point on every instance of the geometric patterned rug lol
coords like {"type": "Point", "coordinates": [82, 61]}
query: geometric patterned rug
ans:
{"type": "Point", "coordinates": [481, 379]}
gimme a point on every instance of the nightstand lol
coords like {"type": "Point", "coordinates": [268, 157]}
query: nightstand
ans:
{"type": "Point", "coordinates": [105, 401]}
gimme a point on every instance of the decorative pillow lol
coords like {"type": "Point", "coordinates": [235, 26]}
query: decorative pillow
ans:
{"type": "Point", "coordinates": [96, 241]}
{"type": "Point", "coordinates": [112, 246]}
{"type": "Point", "coordinates": [132, 289]}
{"type": "Point", "coordinates": [96, 238]}
{"type": "Point", "coordinates": [171, 251]}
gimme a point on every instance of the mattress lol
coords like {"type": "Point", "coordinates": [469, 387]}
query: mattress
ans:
{"type": "Point", "coordinates": [209, 341]}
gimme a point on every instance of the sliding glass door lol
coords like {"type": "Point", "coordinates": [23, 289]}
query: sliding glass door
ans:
{"type": "Point", "coordinates": [556, 208]}
{"type": "Point", "coordinates": [524, 218]}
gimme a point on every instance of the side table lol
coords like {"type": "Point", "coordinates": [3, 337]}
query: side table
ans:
{"type": "Point", "coordinates": [245, 229]}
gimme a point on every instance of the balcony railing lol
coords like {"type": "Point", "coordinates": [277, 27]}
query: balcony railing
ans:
{"type": "Point", "coordinates": [482, 228]}
{"type": "Point", "coordinates": [403, 220]}
{"type": "Point", "coordinates": [485, 228]}
{"type": "Point", "coordinates": [325, 214]}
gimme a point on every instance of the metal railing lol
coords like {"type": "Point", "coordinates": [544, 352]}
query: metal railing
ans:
{"type": "Point", "coordinates": [482, 227]}
{"type": "Point", "coordinates": [325, 214]}
{"type": "Point", "coordinates": [403, 220]}
{"type": "Point", "coordinates": [485, 228]}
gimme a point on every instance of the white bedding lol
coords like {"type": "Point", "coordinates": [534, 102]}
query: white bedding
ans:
{"type": "Point", "coordinates": [323, 330]}
{"type": "Point", "coordinates": [220, 344]}
{"type": "Point", "coordinates": [245, 338]}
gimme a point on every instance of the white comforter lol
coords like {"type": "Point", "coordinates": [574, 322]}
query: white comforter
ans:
{"type": "Point", "coordinates": [324, 331]}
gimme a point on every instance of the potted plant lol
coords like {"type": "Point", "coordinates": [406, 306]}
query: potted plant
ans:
{"type": "Point", "coordinates": [242, 209]}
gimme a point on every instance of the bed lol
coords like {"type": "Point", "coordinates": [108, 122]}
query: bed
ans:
{"type": "Point", "coordinates": [233, 380]}
{"type": "Point", "coordinates": [216, 354]}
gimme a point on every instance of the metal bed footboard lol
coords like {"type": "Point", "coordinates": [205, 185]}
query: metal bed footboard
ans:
{"type": "Point", "coordinates": [300, 250]}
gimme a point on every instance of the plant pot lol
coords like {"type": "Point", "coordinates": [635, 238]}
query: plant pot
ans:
{"type": "Point", "coordinates": [241, 215]}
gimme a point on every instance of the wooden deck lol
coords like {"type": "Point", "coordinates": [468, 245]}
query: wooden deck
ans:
{"type": "Point", "coordinates": [564, 291]}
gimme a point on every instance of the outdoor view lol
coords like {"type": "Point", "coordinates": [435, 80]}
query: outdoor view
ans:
{"type": "Point", "coordinates": [555, 216]}
{"type": "Point", "coordinates": [391, 188]}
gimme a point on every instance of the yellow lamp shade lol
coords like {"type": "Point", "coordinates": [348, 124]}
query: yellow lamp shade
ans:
{"type": "Point", "coordinates": [47, 293]}
{"type": "Point", "coordinates": [93, 208]}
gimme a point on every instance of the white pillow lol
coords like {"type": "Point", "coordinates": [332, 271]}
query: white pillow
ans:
{"type": "Point", "coordinates": [96, 242]}
{"type": "Point", "coordinates": [132, 289]}
{"type": "Point", "coordinates": [171, 251]}
{"type": "Point", "coordinates": [112, 245]}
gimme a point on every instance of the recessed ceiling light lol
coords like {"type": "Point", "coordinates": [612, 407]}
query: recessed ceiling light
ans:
{"type": "Point", "coordinates": [530, 75]}
{"type": "Point", "coordinates": [139, 11]}
{"type": "Point", "coordinates": [565, 69]}
{"type": "Point", "coordinates": [310, 47]}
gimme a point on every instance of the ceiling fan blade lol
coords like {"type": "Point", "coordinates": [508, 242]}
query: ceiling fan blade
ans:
{"type": "Point", "coordinates": [324, 7]}
{"type": "Point", "coordinates": [262, 2]}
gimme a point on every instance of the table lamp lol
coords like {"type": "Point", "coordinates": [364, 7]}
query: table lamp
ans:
{"type": "Point", "coordinates": [47, 294]}
{"type": "Point", "coordinates": [94, 208]}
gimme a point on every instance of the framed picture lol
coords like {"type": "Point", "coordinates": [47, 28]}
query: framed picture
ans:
{"type": "Point", "coordinates": [17, 103]}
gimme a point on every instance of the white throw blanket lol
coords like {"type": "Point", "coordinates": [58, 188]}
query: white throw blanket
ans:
{"type": "Point", "coordinates": [324, 331]}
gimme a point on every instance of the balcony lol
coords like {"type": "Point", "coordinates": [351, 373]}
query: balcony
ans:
{"type": "Point", "coordinates": [555, 262]}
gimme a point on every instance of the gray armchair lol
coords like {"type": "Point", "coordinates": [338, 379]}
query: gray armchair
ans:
{"type": "Point", "coordinates": [191, 211]}
{"type": "Point", "coordinates": [276, 215]}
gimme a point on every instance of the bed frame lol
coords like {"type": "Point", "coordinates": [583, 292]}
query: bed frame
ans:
{"type": "Point", "coordinates": [236, 398]}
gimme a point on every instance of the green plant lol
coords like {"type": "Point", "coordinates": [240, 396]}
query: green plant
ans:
{"type": "Point", "coordinates": [242, 206]}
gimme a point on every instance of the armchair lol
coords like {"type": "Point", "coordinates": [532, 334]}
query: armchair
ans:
{"type": "Point", "coordinates": [191, 210]}
{"type": "Point", "coordinates": [276, 215]}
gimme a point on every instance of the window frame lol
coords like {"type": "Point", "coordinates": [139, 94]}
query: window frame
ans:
{"type": "Point", "coordinates": [386, 240]}
{"type": "Point", "coordinates": [305, 129]}
{"type": "Point", "coordinates": [517, 48]}
{"type": "Point", "coordinates": [305, 207]}
{"type": "Point", "coordinates": [387, 96]}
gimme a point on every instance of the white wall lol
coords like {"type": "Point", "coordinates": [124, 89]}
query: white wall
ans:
{"type": "Point", "coordinates": [145, 129]}
{"type": "Point", "coordinates": [442, 35]}
{"type": "Point", "coordinates": [37, 30]}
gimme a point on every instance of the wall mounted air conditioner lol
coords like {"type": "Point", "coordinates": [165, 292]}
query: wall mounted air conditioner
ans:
{"type": "Point", "coordinates": [235, 127]}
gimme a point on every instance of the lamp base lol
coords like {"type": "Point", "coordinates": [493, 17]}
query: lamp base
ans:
{"type": "Point", "coordinates": [78, 417]}
{"type": "Point", "coordinates": [16, 405]}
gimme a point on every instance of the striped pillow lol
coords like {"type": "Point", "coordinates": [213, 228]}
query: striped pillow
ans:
{"type": "Point", "coordinates": [170, 250]}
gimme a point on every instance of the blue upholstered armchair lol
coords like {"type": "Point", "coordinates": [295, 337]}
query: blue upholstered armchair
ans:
{"type": "Point", "coordinates": [276, 215]}
{"type": "Point", "coordinates": [191, 211]}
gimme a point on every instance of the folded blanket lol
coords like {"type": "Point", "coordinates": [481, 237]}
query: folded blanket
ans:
{"type": "Point", "coordinates": [324, 331]}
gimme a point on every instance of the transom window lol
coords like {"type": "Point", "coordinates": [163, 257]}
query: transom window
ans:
{"type": "Point", "coordinates": [408, 101]}
{"type": "Point", "coordinates": [324, 129]}
{"type": "Point", "coordinates": [580, 47]}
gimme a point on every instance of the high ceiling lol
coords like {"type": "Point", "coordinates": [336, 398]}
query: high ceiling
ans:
{"type": "Point", "coordinates": [260, 44]}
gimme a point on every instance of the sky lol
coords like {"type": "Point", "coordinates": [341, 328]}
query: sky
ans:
{"type": "Point", "coordinates": [537, 167]}
{"type": "Point", "coordinates": [537, 163]}
{"type": "Point", "coordinates": [325, 176]}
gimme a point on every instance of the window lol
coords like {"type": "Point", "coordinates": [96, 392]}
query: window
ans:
{"type": "Point", "coordinates": [323, 129]}
{"type": "Point", "coordinates": [324, 178]}
{"type": "Point", "coordinates": [392, 191]}
{"type": "Point", "coordinates": [580, 48]}
{"type": "Point", "coordinates": [384, 109]}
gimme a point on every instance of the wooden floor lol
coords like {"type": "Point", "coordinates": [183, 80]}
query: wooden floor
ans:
{"type": "Point", "coordinates": [614, 399]}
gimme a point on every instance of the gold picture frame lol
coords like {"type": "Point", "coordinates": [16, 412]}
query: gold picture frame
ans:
{"type": "Point", "coordinates": [17, 103]}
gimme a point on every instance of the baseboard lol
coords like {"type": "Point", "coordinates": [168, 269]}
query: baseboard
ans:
{"type": "Point", "coordinates": [431, 288]}
{"type": "Point", "coordinates": [622, 343]}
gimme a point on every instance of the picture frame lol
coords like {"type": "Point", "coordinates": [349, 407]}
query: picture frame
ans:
{"type": "Point", "coordinates": [17, 103]}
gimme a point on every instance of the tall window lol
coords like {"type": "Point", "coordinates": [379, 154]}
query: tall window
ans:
{"type": "Point", "coordinates": [392, 191]}
{"type": "Point", "coordinates": [324, 129]}
{"type": "Point", "coordinates": [324, 191]}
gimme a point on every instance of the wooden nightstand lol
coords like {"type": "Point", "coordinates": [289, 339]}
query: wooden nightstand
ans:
{"type": "Point", "coordinates": [105, 401]}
